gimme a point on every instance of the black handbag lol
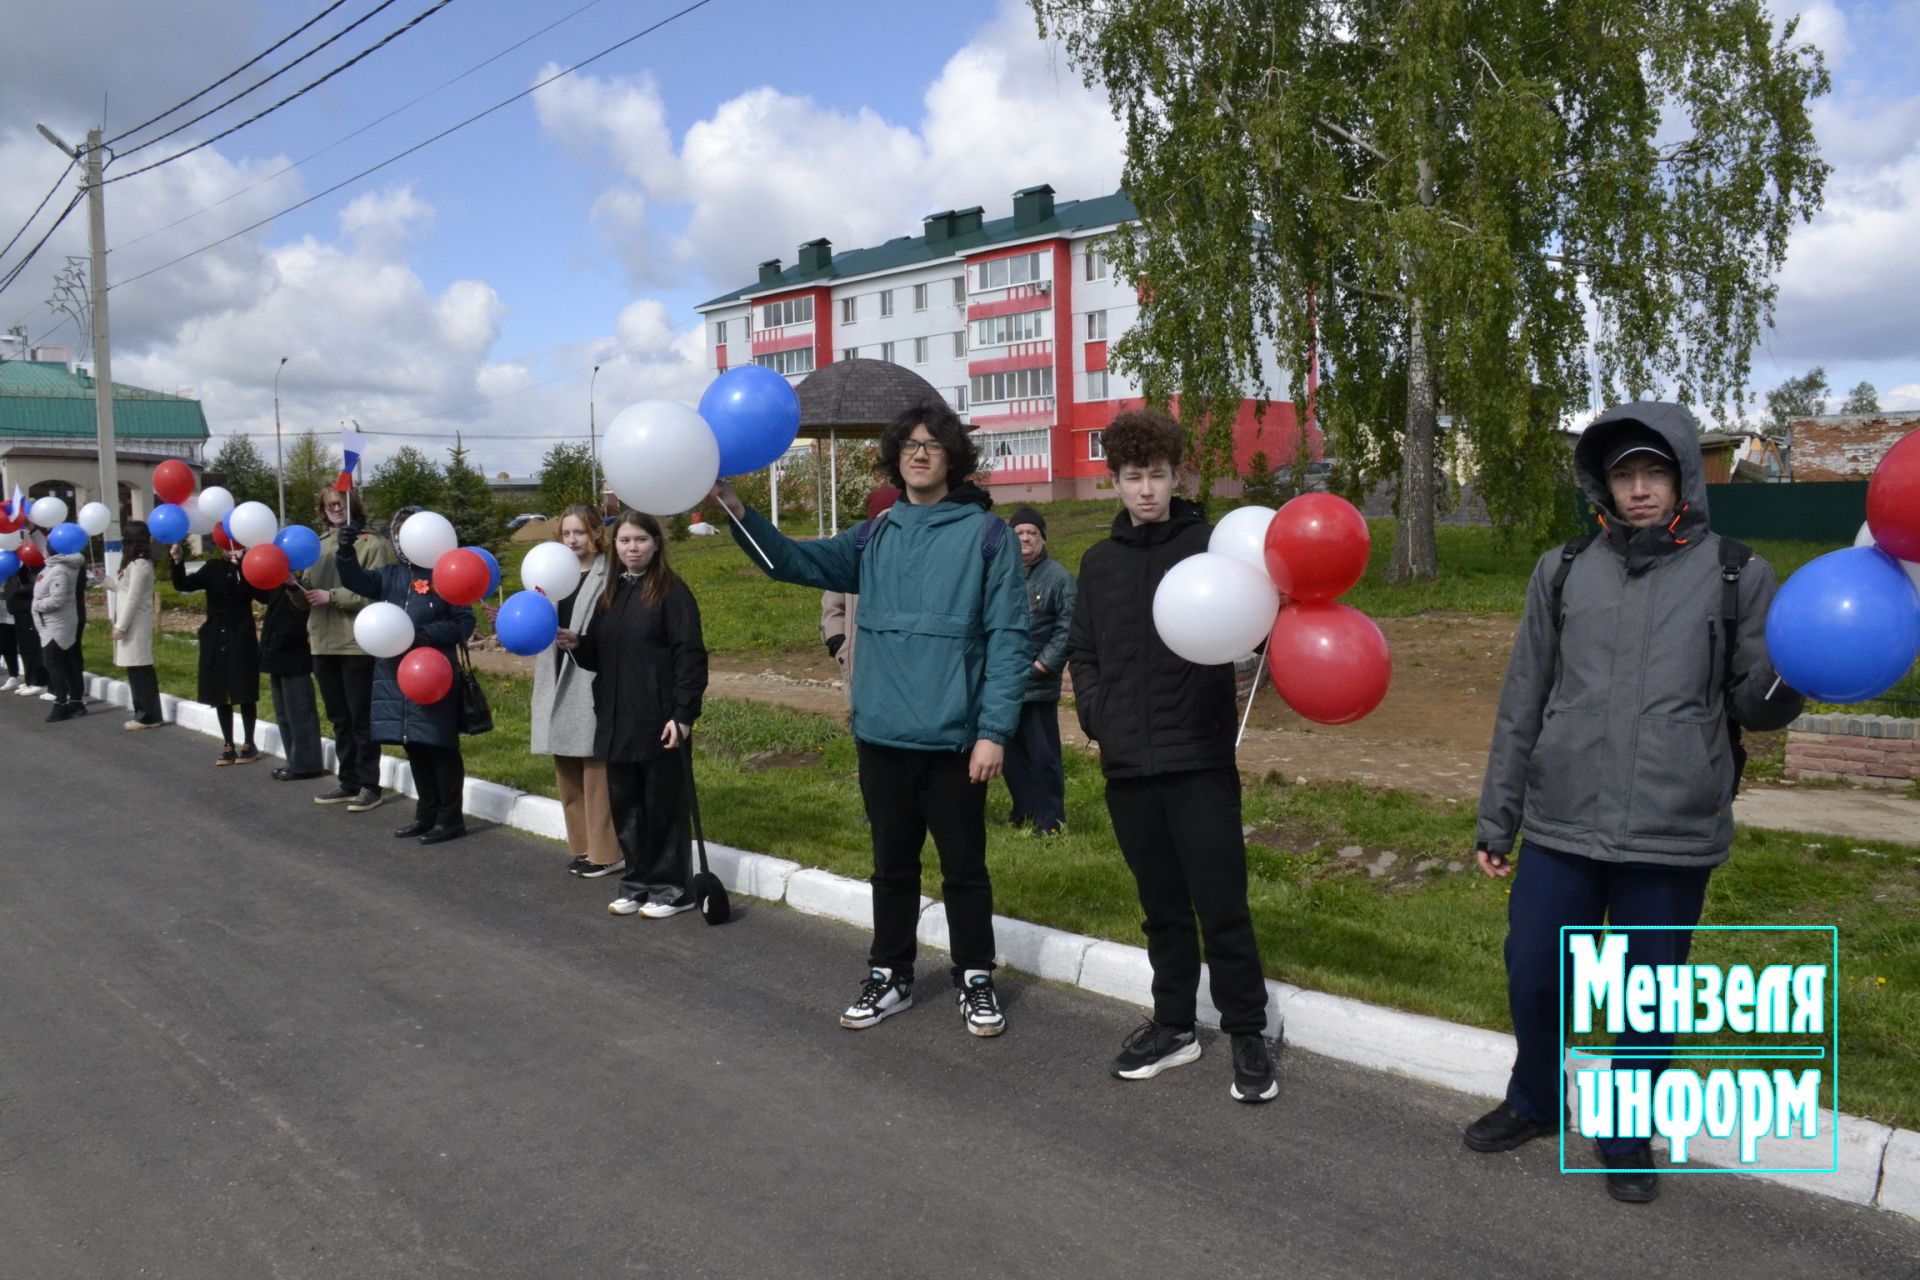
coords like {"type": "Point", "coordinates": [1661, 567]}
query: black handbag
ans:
{"type": "Point", "coordinates": [707, 889]}
{"type": "Point", "coordinates": [475, 715]}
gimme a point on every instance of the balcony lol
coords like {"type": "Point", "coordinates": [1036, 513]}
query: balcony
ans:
{"type": "Point", "coordinates": [1014, 355]}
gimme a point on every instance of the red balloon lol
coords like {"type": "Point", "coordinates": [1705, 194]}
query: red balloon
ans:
{"type": "Point", "coordinates": [173, 481]}
{"type": "Point", "coordinates": [1329, 662]}
{"type": "Point", "coordinates": [10, 523]}
{"type": "Point", "coordinates": [265, 566]}
{"type": "Point", "coordinates": [31, 556]}
{"type": "Point", "coordinates": [220, 538]}
{"type": "Point", "coordinates": [425, 675]}
{"type": "Point", "coordinates": [1893, 500]}
{"type": "Point", "coordinates": [461, 577]}
{"type": "Point", "coordinates": [1317, 547]}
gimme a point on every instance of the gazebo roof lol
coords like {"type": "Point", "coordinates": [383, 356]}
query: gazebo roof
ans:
{"type": "Point", "coordinates": [858, 398]}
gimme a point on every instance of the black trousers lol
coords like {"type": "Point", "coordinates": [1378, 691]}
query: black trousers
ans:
{"type": "Point", "coordinates": [440, 782]}
{"type": "Point", "coordinates": [1035, 777]}
{"type": "Point", "coordinates": [1180, 834]}
{"type": "Point", "coordinates": [649, 803]}
{"type": "Point", "coordinates": [33, 661]}
{"type": "Point", "coordinates": [65, 676]}
{"type": "Point", "coordinates": [9, 647]}
{"type": "Point", "coordinates": [909, 794]}
{"type": "Point", "coordinates": [299, 722]}
{"type": "Point", "coordinates": [346, 687]}
{"type": "Point", "coordinates": [146, 694]}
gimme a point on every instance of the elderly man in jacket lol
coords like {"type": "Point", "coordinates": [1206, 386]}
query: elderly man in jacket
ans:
{"type": "Point", "coordinates": [937, 691]}
{"type": "Point", "coordinates": [1612, 751]}
{"type": "Point", "coordinates": [1035, 777]}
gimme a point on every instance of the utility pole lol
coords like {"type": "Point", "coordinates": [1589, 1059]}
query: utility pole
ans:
{"type": "Point", "coordinates": [102, 355]}
{"type": "Point", "coordinates": [593, 450]}
{"type": "Point", "coordinates": [279, 464]}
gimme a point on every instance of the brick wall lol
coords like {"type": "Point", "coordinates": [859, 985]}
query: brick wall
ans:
{"type": "Point", "coordinates": [1867, 751]}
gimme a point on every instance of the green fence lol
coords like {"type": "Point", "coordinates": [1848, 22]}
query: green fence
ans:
{"type": "Point", "coordinates": [1822, 512]}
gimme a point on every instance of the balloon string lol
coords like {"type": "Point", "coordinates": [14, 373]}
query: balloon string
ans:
{"type": "Point", "coordinates": [1251, 690]}
{"type": "Point", "coordinates": [1777, 682]}
{"type": "Point", "coordinates": [764, 557]}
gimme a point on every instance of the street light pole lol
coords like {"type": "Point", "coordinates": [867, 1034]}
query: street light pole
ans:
{"type": "Point", "coordinates": [593, 448]}
{"type": "Point", "coordinates": [279, 463]}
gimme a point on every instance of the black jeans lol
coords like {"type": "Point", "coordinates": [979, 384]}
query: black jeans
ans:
{"type": "Point", "coordinates": [146, 694]}
{"type": "Point", "coordinates": [346, 687]}
{"type": "Point", "coordinates": [33, 660]}
{"type": "Point", "coordinates": [1035, 777]}
{"type": "Point", "coordinates": [909, 794]}
{"type": "Point", "coordinates": [65, 676]}
{"type": "Point", "coordinates": [1180, 834]}
{"type": "Point", "coordinates": [9, 647]}
{"type": "Point", "coordinates": [439, 782]}
{"type": "Point", "coordinates": [649, 803]}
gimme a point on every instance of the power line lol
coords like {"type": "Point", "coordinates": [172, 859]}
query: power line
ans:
{"type": "Point", "coordinates": [231, 74]}
{"type": "Point", "coordinates": [371, 169]}
{"type": "Point", "coordinates": [384, 41]}
{"type": "Point", "coordinates": [6, 281]}
{"type": "Point", "coordinates": [8, 247]}
{"type": "Point", "coordinates": [314, 155]}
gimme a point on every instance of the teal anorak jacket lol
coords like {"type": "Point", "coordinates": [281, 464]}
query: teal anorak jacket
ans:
{"type": "Point", "coordinates": [942, 633]}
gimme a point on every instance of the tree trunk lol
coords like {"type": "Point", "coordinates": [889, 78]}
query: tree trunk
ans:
{"type": "Point", "coordinates": [1415, 557]}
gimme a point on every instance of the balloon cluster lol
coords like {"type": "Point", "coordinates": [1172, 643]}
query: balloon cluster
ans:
{"type": "Point", "coordinates": [1846, 626]}
{"type": "Point", "coordinates": [1329, 662]}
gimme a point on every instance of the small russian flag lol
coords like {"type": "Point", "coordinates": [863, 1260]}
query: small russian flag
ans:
{"type": "Point", "coordinates": [352, 445]}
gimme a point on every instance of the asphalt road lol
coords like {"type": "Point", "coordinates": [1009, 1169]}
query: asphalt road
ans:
{"type": "Point", "coordinates": [244, 1036]}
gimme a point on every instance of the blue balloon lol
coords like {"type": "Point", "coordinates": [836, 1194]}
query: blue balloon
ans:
{"type": "Point", "coordinates": [167, 523]}
{"type": "Point", "coordinates": [9, 565]}
{"type": "Point", "coordinates": [1846, 627]}
{"type": "Point", "coordinates": [65, 539]}
{"type": "Point", "coordinates": [754, 414]}
{"type": "Point", "coordinates": [493, 567]}
{"type": "Point", "coordinates": [301, 544]}
{"type": "Point", "coordinates": [527, 623]}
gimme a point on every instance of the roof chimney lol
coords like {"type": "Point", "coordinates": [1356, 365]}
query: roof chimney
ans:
{"type": "Point", "coordinates": [1032, 206]}
{"type": "Point", "coordinates": [816, 256]}
{"type": "Point", "coordinates": [965, 220]}
{"type": "Point", "coordinates": [939, 226]}
{"type": "Point", "coordinates": [770, 271]}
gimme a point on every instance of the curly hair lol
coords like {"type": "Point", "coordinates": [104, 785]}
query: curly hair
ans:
{"type": "Point", "coordinates": [963, 459]}
{"type": "Point", "coordinates": [1142, 437]}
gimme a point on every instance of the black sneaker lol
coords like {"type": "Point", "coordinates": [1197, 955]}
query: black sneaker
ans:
{"type": "Point", "coordinates": [367, 798]}
{"type": "Point", "coordinates": [1503, 1129]}
{"type": "Point", "coordinates": [1253, 1070]}
{"type": "Point", "coordinates": [880, 998]}
{"type": "Point", "coordinates": [1153, 1048]}
{"type": "Point", "coordinates": [339, 795]}
{"type": "Point", "coordinates": [1630, 1175]}
{"type": "Point", "coordinates": [590, 870]}
{"type": "Point", "coordinates": [578, 865]}
{"type": "Point", "coordinates": [980, 1004]}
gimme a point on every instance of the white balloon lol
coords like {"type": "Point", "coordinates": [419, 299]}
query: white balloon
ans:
{"type": "Point", "coordinates": [94, 518]}
{"type": "Point", "coordinates": [550, 569]}
{"type": "Point", "coordinates": [8, 541]}
{"type": "Point", "coordinates": [216, 502]}
{"type": "Point", "coordinates": [47, 512]}
{"type": "Point", "coordinates": [1212, 608]}
{"type": "Point", "coordinates": [660, 457]}
{"type": "Point", "coordinates": [199, 523]}
{"type": "Point", "coordinates": [383, 630]}
{"type": "Point", "coordinates": [1242, 534]}
{"type": "Point", "coordinates": [426, 536]}
{"type": "Point", "coordinates": [1865, 539]}
{"type": "Point", "coordinates": [253, 523]}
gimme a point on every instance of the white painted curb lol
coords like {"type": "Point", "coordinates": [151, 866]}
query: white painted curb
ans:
{"type": "Point", "coordinates": [1879, 1166]}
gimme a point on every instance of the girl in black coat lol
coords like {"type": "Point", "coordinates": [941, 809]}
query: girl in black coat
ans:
{"type": "Point", "coordinates": [286, 658]}
{"type": "Point", "coordinates": [650, 668]}
{"type": "Point", "coordinates": [229, 650]}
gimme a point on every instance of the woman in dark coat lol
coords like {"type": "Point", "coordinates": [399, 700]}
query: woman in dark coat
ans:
{"type": "Point", "coordinates": [430, 734]}
{"type": "Point", "coordinates": [287, 661]}
{"type": "Point", "coordinates": [229, 650]}
{"type": "Point", "coordinates": [650, 668]}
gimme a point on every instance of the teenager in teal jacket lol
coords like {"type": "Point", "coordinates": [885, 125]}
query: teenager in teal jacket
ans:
{"type": "Point", "coordinates": [944, 657]}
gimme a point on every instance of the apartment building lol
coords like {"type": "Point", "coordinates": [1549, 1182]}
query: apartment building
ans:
{"type": "Point", "coordinates": [1010, 318]}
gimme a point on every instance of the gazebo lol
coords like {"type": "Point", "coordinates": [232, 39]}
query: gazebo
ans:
{"type": "Point", "coordinates": [856, 399]}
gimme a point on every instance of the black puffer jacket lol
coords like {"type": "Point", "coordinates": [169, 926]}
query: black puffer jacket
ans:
{"type": "Point", "coordinates": [650, 666]}
{"type": "Point", "coordinates": [1150, 710]}
{"type": "Point", "coordinates": [396, 717]}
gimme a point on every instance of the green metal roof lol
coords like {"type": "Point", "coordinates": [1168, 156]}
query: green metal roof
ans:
{"type": "Point", "coordinates": [43, 398]}
{"type": "Point", "coordinates": [1068, 216]}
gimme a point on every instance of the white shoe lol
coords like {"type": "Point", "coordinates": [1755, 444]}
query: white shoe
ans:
{"type": "Point", "coordinates": [26, 690]}
{"type": "Point", "coordinates": [9, 684]}
{"type": "Point", "coordinates": [48, 697]}
{"type": "Point", "coordinates": [624, 906]}
{"type": "Point", "coordinates": [662, 910]}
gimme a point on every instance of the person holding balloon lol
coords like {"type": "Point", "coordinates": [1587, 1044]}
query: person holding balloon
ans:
{"type": "Point", "coordinates": [134, 618]}
{"type": "Point", "coordinates": [286, 659]}
{"type": "Point", "coordinates": [229, 675]}
{"type": "Point", "coordinates": [1165, 726]}
{"type": "Point", "coordinates": [415, 700]}
{"type": "Point", "coordinates": [1613, 764]}
{"type": "Point", "coordinates": [56, 619]}
{"type": "Point", "coordinates": [342, 669]}
{"type": "Point", "coordinates": [18, 590]}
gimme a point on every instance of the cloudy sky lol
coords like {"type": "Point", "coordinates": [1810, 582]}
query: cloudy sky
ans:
{"type": "Point", "coordinates": [473, 284]}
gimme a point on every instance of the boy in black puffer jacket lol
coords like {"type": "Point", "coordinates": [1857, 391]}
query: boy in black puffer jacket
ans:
{"type": "Point", "coordinates": [1166, 732]}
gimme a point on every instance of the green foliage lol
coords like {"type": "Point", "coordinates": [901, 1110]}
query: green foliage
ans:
{"type": "Point", "coordinates": [1426, 199]}
{"type": "Point", "coordinates": [244, 473]}
{"type": "Point", "coordinates": [1862, 399]}
{"type": "Point", "coordinates": [407, 479]}
{"type": "Point", "coordinates": [566, 478]}
{"type": "Point", "coordinates": [1797, 398]}
{"type": "Point", "coordinates": [311, 467]}
{"type": "Point", "coordinates": [467, 502]}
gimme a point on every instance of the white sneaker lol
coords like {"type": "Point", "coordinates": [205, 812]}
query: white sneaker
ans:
{"type": "Point", "coordinates": [624, 906]}
{"type": "Point", "coordinates": [48, 697]}
{"type": "Point", "coordinates": [9, 684]}
{"type": "Point", "coordinates": [980, 1004]}
{"type": "Point", "coordinates": [26, 690]}
{"type": "Point", "coordinates": [880, 998]}
{"type": "Point", "coordinates": [662, 910]}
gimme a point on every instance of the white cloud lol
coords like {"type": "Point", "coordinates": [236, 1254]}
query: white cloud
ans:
{"type": "Point", "coordinates": [1824, 25]}
{"type": "Point", "coordinates": [1906, 396]}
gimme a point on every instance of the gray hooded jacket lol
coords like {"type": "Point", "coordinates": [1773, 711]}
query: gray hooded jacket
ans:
{"type": "Point", "coordinates": [1611, 739]}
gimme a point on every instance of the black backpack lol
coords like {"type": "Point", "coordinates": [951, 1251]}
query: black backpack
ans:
{"type": "Point", "coordinates": [1733, 560]}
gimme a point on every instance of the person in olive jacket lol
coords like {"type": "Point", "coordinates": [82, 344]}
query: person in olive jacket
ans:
{"type": "Point", "coordinates": [430, 734]}
{"type": "Point", "coordinates": [229, 649]}
{"type": "Point", "coordinates": [1166, 732]}
{"type": "Point", "coordinates": [650, 675]}
{"type": "Point", "coordinates": [287, 661]}
{"type": "Point", "coordinates": [342, 669]}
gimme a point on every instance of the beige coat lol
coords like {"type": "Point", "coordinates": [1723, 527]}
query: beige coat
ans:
{"type": "Point", "coordinates": [330, 626]}
{"type": "Point", "coordinates": [134, 615]}
{"type": "Point", "coordinates": [838, 612]}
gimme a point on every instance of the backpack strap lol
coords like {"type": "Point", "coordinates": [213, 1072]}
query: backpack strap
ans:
{"type": "Point", "coordinates": [861, 537]}
{"type": "Point", "coordinates": [1733, 560]}
{"type": "Point", "coordinates": [1555, 589]}
{"type": "Point", "coordinates": [991, 537]}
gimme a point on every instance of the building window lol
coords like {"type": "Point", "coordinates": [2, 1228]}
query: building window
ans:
{"type": "Point", "coordinates": [919, 350]}
{"type": "Point", "coordinates": [919, 297]}
{"type": "Point", "coordinates": [886, 350]}
{"type": "Point", "coordinates": [994, 331]}
{"type": "Point", "coordinates": [886, 302]}
{"type": "Point", "coordinates": [1096, 448]}
{"type": "Point", "coordinates": [960, 399]}
{"type": "Point", "coordinates": [849, 353]}
{"type": "Point", "coordinates": [1018, 384]}
{"type": "Point", "coordinates": [798, 360]}
{"type": "Point", "coordinates": [1096, 326]}
{"type": "Point", "coordinates": [787, 311]}
{"type": "Point", "coordinates": [1012, 449]}
{"type": "Point", "coordinates": [1021, 268]}
{"type": "Point", "coordinates": [1096, 262]}
{"type": "Point", "coordinates": [720, 333]}
{"type": "Point", "coordinates": [1096, 384]}
{"type": "Point", "coordinates": [959, 344]}
{"type": "Point", "coordinates": [959, 291]}
{"type": "Point", "coordinates": [849, 310]}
